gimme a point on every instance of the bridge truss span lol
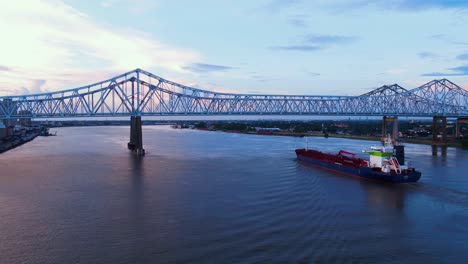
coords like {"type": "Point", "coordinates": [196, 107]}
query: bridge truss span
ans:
{"type": "Point", "coordinates": [140, 93]}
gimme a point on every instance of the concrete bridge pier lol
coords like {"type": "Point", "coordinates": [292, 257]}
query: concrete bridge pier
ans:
{"type": "Point", "coordinates": [394, 122]}
{"type": "Point", "coordinates": [136, 136]}
{"type": "Point", "coordinates": [439, 130]}
{"type": "Point", "coordinates": [435, 150]}
{"type": "Point", "coordinates": [460, 121]}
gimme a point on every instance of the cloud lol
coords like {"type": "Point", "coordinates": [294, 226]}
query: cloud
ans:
{"type": "Point", "coordinates": [427, 55]}
{"type": "Point", "coordinates": [298, 48]}
{"type": "Point", "coordinates": [318, 42]}
{"type": "Point", "coordinates": [32, 87]}
{"type": "Point", "coordinates": [463, 56]}
{"type": "Point", "coordinates": [204, 68]}
{"type": "Point", "coordinates": [278, 5]}
{"type": "Point", "coordinates": [330, 39]}
{"type": "Point", "coordinates": [408, 5]}
{"type": "Point", "coordinates": [107, 3]}
{"type": "Point", "coordinates": [312, 73]}
{"type": "Point", "coordinates": [457, 71]}
{"type": "Point", "coordinates": [297, 22]}
{"type": "Point", "coordinates": [394, 71]}
{"type": "Point", "coordinates": [5, 69]}
{"type": "Point", "coordinates": [449, 39]}
{"type": "Point", "coordinates": [47, 39]}
{"type": "Point", "coordinates": [37, 86]}
{"type": "Point", "coordinates": [261, 78]}
{"type": "Point", "coordinates": [135, 7]}
{"type": "Point", "coordinates": [426, 4]}
{"type": "Point", "coordinates": [439, 36]}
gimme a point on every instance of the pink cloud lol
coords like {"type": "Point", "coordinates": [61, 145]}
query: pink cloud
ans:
{"type": "Point", "coordinates": [48, 40]}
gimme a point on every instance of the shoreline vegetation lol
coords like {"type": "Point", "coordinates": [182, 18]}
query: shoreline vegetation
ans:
{"type": "Point", "coordinates": [415, 132]}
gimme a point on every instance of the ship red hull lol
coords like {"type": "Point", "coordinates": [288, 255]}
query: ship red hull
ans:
{"type": "Point", "coordinates": [354, 166]}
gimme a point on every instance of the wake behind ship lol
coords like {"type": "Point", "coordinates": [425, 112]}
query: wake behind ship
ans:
{"type": "Point", "coordinates": [382, 164]}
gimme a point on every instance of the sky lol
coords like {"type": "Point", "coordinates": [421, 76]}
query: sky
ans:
{"type": "Point", "coordinates": [321, 47]}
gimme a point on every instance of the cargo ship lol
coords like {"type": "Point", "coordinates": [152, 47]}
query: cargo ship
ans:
{"type": "Point", "coordinates": [386, 163]}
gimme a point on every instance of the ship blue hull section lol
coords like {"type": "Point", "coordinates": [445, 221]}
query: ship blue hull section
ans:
{"type": "Point", "coordinates": [364, 172]}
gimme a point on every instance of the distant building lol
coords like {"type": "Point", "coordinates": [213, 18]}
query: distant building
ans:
{"type": "Point", "coordinates": [342, 125]}
{"type": "Point", "coordinates": [9, 104]}
{"type": "Point", "coordinates": [26, 119]}
{"type": "Point", "coordinates": [3, 131]}
{"type": "Point", "coordinates": [269, 129]}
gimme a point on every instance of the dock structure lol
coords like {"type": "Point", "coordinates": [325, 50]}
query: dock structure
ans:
{"type": "Point", "coordinates": [460, 121]}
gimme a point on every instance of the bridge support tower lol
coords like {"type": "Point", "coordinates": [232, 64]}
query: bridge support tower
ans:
{"type": "Point", "coordinates": [136, 136]}
{"type": "Point", "coordinates": [460, 121]}
{"type": "Point", "coordinates": [394, 124]}
{"type": "Point", "coordinates": [439, 130]}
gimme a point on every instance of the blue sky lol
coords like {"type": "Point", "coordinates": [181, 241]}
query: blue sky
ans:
{"type": "Point", "coordinates": [343, 47]}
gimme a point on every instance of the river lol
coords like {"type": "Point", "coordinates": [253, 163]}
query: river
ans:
{"type": "Point", "coordinates": [214, 197]}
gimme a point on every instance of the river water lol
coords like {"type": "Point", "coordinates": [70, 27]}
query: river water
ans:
{"type": "Point", "coordinates": [214, 197]}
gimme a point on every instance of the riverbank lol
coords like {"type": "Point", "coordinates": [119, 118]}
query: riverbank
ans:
{"type": "Point", "coordinates": [422, 141]}
{"type": "Point", "coordinates": [409, 131]}
{"type": "Point", "coordinates": [13, 143]}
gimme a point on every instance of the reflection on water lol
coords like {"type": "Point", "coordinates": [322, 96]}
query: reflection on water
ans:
{"type": "Point", "coordinates": [211, 197]}
{"type": "Point", "coordinates": [443, 150]}
{"type": "Point", "coordinates": [386, 195]}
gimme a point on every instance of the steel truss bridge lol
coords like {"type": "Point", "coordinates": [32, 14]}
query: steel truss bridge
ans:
{"type": "Point", "coordinates": [140, 93]}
